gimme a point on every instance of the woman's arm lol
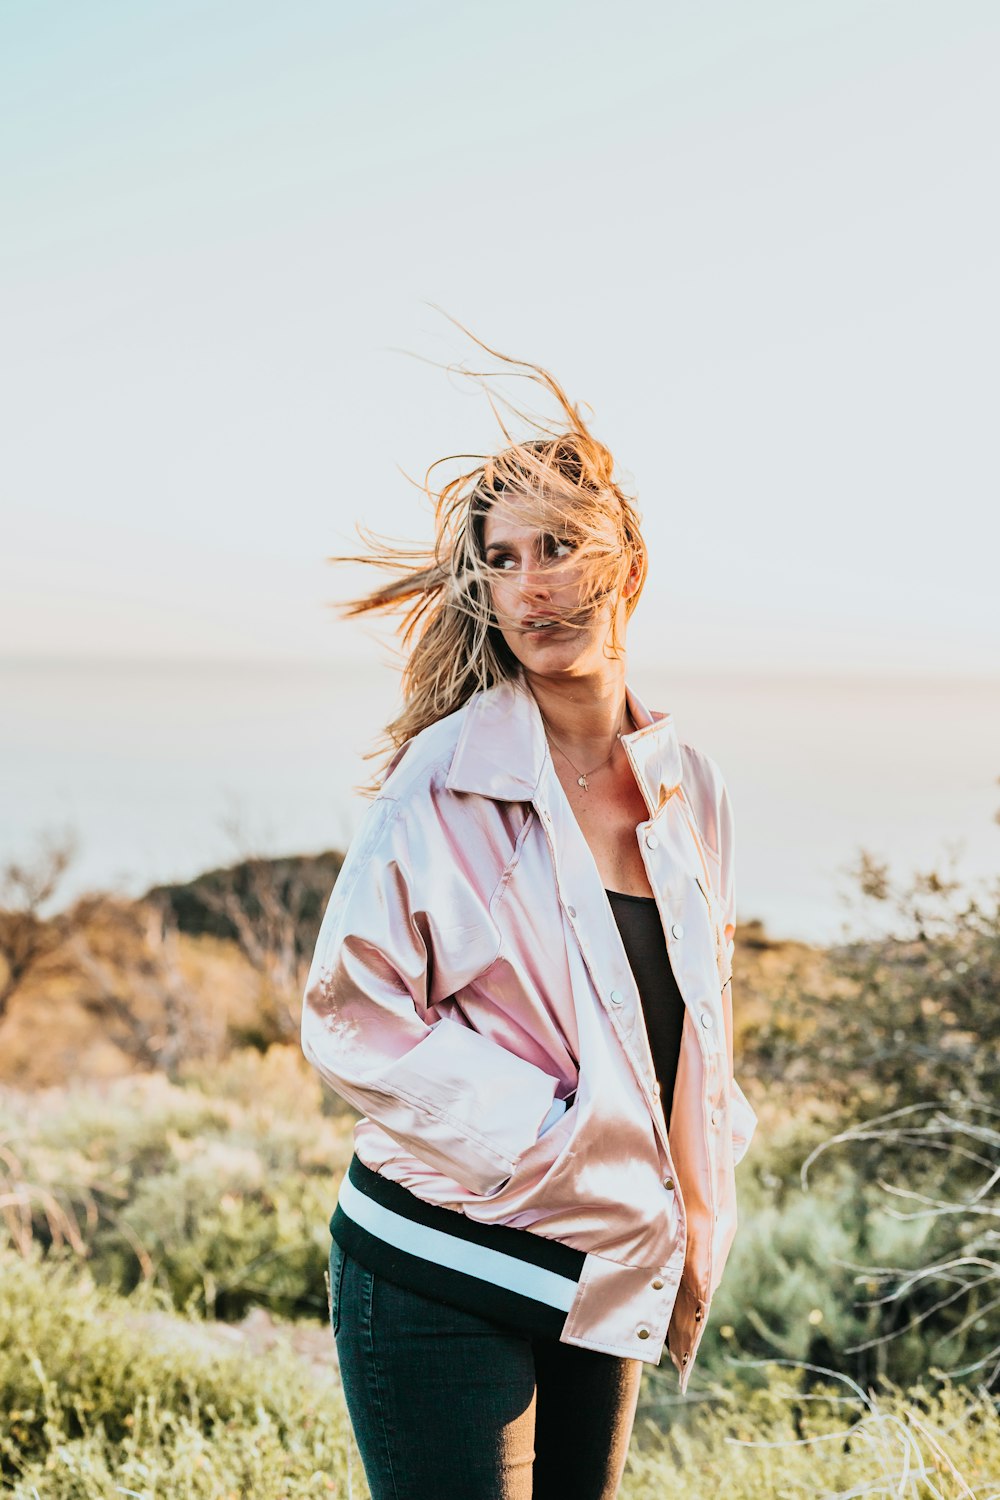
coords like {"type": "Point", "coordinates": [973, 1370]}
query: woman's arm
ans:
{"type": "Point", "coordinates": [454, 1098]}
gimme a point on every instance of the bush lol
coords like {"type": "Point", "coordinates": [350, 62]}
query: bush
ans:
{"type": "Point", "coordinates": [906, 1018]}
{"type": "Point", "coordinates": [91, 1406]}
{"type": "Point", "coordinates": [854, 1268]}
{"type": "Point", "coordinates": [88, 1408]}
{"type": "Point", "coordinates": [836, 1441]}
{"type": "Point", "coordinates": [796, 1285]}
{"type": "Point", "coordinates": [222, 1201]}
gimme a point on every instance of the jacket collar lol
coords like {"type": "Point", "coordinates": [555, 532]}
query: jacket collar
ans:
{"type": "Point", "coordinates": [502, 750]}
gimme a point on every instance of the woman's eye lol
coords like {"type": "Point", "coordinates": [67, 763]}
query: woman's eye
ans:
{"type": "Point", "coordinates": [502, 562]}
{"type": "Point", "coordinates": [560, 546]}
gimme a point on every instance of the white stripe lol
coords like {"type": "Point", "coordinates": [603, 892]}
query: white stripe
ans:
{"type": "Point", "coordinates": [460, 1255]}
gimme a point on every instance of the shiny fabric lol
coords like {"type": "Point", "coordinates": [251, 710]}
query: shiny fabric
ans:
{"type": "Point", "coordinates": [469, 970]}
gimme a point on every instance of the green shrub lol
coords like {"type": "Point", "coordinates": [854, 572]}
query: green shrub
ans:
{"type": "Point", "coordinates": [89, 1408]}
{"type": "Point", "coordinates": [804, 1254]}
{"type": "Point", "coordinates": [852, 1271]}
{"type": "Point", "coordinates": [92, 1406]}
{"type": "Point", "coordinates": [907, 1017]}
{"type": "Point", "coordinates": [222, 1200]}
{"type": "Point", "coordinates": [219, 1192]}
{"type": "Point", "coordinates": [834, 1441]}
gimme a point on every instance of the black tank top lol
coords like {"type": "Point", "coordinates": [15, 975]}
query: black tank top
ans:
{"type": "Point", "coordinates": [662, 1007]}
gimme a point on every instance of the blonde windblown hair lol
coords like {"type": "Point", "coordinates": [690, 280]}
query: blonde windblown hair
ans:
{"type": "Point", "coordinates": [562, 480]}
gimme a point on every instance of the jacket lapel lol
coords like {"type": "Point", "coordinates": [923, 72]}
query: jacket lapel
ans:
{"type": "Point", "coordinates": [502, 750]}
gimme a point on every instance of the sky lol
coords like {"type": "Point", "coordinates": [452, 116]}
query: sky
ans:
{"type": "Point", "coordinates": [760, 241]}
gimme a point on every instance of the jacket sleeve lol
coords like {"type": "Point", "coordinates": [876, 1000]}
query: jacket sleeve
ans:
{"type": "Point", "coordinates": [742, 1115]}
{"type": "Point", "coordinates": [453, 1097]}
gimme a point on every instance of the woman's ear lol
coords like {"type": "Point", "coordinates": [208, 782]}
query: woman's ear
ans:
{"type": "Point", "coordinates": [634, 577]}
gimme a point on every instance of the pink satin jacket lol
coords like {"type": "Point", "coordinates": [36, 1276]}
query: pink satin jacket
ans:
{"type": "Point", "coordinates": [469, 971]}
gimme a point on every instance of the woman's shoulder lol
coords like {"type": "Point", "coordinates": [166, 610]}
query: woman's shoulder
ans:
{"type": "Point", "coordinates": [705, 788]}
{"type": "Point", "coordinates": [700, 774]}
{"type": "Point", "coordinates": [422, 762]}
{"type": "Point", "coordinates": [699, 767]}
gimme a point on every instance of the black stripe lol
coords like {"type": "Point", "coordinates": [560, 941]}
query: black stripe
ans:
{"type": "Point", "coordinates": [522, 1244]}
{"type": "Point", "coordinates": [443, 1284]}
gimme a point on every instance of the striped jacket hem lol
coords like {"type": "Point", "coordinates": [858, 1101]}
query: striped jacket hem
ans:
{"type": "Point", "coordinates": [510, 1276]}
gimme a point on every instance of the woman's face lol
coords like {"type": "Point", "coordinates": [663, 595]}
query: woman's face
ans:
{"type": "Point", "coordinates": [535, 587]}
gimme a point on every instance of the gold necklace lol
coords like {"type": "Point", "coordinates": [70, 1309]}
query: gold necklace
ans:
{"type": "Point", "coordinates": [581, 776]}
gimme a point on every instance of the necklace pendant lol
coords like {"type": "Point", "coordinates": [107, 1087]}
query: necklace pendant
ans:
{"type": "Point", "coordinates": [582, 781]}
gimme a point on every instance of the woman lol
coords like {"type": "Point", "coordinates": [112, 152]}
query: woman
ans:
{"type": "Point", "coordinates": [523, 983]}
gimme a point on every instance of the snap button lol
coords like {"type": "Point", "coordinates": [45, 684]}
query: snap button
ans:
{"type": "Point", "coordinates": [677, 930]}
{"type": "Point", "coordinates": [642, 1333]}
{"type": "Point", "coordinates": [571, 910]}
{"type": "Point", "coordinates": [616, 997]}
{"type": "Point", "coordinates": [698, 1315]}
{"type": "Point", "coordinates": [716, 1116]}
{"type": "Point", "coordinates": [656, 1089]}
{"type": "Point", "coordinates": [651, 841]}
{"type": "Point", "coordinates": [706, 1018]}
{"type": "Point", "coordinates": [685, 1358]}
{"type": "Point", "coordinates": [657, 1285]}
{"type": "Point", "coordinates": [668, 1182]}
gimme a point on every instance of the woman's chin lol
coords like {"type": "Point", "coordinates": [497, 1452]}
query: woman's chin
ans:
{"type": "Point", "coordinates": [558, 654]}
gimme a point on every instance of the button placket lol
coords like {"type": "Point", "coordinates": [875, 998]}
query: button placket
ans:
{"type": "Point", "coordinates": [619, 998]}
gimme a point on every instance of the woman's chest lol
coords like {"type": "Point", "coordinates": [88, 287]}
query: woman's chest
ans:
{"type": "Point", "coordinates": [562, 962]}
{"type": "Point", "coordinates": [607, 817]}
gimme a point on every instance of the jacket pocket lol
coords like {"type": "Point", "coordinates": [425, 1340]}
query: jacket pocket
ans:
{"type": "Point", "coordinates": [544, 1156]}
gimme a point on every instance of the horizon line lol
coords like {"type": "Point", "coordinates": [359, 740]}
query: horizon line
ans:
{"type": "Point", "coordinates": [824, 671]}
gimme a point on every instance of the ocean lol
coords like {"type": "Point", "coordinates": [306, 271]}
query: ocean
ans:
{"type": "Point", "coordinates": [162, 771]}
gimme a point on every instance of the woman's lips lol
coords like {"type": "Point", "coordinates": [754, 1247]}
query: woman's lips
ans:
{"type": "Point", "coordinates": [540, 624]}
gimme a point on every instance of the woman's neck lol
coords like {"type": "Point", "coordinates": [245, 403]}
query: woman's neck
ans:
{"type": "Point", "coordinates": [583, 713]}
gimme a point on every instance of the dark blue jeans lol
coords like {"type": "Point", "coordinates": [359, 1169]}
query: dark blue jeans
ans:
{"type": "Point", "coordinates": [448, 1406]}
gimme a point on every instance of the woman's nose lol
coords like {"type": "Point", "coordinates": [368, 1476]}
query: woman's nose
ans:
{"type": "Point", "coordinates": [533, 582]}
